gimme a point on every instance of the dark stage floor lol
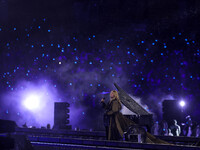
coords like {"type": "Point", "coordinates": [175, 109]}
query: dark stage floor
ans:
{"type": "Point", "coordinates": [43, 139]}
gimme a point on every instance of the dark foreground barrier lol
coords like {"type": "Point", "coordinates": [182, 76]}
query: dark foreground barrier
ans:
{"type": "Point", "coordinates": [65, 143]}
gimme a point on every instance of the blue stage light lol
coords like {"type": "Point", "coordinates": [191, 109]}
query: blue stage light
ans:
{"type": "Point", "coordinates": [182, 103]}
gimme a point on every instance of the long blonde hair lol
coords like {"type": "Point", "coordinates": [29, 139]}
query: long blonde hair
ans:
{"type": "Point", "coordinates": [116, 95]}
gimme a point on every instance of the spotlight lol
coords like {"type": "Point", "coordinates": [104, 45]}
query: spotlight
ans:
{"type": "Point", "coordinates": [182, 103]}
{"type": "Point", "coordinates": [32, 102]}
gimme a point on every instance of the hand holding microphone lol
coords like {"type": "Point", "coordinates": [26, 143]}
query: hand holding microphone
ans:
{"type": "Point", "coordinates": [102, 100]}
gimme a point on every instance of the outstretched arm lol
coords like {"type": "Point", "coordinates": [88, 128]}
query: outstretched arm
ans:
{"type": "Point", "coordinates": [103, 103]}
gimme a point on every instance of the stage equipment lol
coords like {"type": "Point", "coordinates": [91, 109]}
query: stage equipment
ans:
{"type": "Point", "coordinates": [61, 115]}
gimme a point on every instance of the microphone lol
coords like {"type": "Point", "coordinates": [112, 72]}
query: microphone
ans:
{"type": "Point", "coordinates": [103, 99]}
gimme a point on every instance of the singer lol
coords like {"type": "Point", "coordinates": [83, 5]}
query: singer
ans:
{"type": "Point", "coordinates": [114, 122]}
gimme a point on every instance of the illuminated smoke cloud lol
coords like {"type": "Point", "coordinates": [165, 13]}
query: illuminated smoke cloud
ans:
{"type": "Point", "coordinates": [154, 102]}
{"type": "Point", "coordinates": [34, 103]}
{"type": "Point", "coordinates": [82, 88]}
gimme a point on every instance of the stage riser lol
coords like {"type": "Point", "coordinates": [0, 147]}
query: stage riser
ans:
{"type": "Point", "coordinates": [45, 146]}
{"type": "Point", "coordinates": [97, 135]}
{"type": "Point", "coordinates": [110, 144]}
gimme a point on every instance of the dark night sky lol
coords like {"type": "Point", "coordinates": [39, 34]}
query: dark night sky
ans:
{"type": "Point", "coordinates": [101, 14]}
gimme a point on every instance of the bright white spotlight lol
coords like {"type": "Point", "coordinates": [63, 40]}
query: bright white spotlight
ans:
{"type": "Point", "coordinates": [32, 102]}
{"type": "Point", "coordinates": [182, 103]}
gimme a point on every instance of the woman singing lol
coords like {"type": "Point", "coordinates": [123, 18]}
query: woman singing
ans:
{"type": "Point", "coordinates": [115, 123]}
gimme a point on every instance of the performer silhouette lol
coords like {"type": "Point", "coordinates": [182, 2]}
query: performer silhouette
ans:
{"type": "Point", "coordinates": [114, 122]}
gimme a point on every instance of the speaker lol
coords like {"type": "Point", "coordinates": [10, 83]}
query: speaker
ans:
{"type": "Point", "coordinates": [171, 111]}
{"type": "Point", "coordinates": [7, 126]}
{"type": "Point", "coordinates": [61, 115]}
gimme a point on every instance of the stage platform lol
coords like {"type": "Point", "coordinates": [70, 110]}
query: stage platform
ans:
{"type": "Point", "coordinates": [76, 143]}
{"type": "Point", "coordinates": [47, 139]}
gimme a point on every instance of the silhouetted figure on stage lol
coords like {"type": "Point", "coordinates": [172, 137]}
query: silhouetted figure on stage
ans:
{"type": "Point", "coordinates": [24, 125]}
{"type": "Point", "coordinates": [189, 126]}
{"type": "Point", "coordinates": [197, 131]}
{"type": "Point", "coordinates": [194, 127]}
{"type": "Point", "coordinates": [48, 126]}
{"type": "Point", "coordinates": [189, 131]}
{"type": "Point", "coordinates": [114, 122]}
{"type": "Point", "coordinates": [170, 133]}
{"type": "Point", "coordinates": [155, 129]}
{"type": "Point", "coordinates": [175, 129]}
{"type": "Point", "coordinates": [184, 130]}
{"type": "Point", "coordinates": [163, 128]}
